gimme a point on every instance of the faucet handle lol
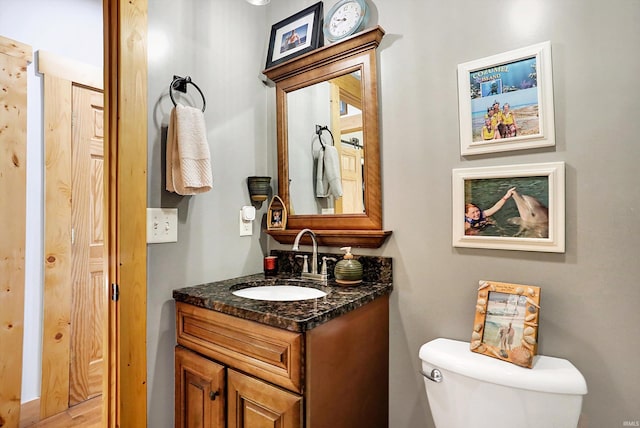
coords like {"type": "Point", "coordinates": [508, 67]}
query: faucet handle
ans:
{"type": "Point", "coordinates": [305, 265]}
{"type": "Point", "coordinates": [323, 270]}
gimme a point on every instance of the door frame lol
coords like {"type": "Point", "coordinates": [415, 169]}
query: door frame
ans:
{"type": "Point", "coordinates": [15, 58]}
{"type": "Point", "coordinates": [125, 85]}
{"type": "Point", "coordinates": [125, 184]}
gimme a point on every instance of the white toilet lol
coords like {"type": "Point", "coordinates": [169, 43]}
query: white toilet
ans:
{"type": "Point", "coordinates": [478, 391]}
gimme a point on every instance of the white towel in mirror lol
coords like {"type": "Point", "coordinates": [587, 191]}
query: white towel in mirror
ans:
{"type": "Point", "coordinates": [328, 178]}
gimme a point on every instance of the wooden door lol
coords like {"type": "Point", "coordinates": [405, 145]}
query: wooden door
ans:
{"type": "Point", "coordinates": [257, 404]}
{"type": "Point", "coordinates": [74, 208]}
{"type": "Point", "coordinates": [199, 391]}
{"type": "Point", "coordinates": [87, 268]}
{"type": "Point", "coordinates": [351, 169]}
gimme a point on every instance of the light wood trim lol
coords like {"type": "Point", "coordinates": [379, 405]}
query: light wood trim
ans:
{"type": "Point", "coordinates": [111, 28]}
{"type": "Point", "coordinates": [350, 90]}
{"type": "Point", "coordinates": [125, 24]}
{"type": "Point", "coordinates": [16, 49]}
{"type": "Point", "coordinates": [14, 59]}
{"type": "Point", "coordinates": [77, 72]}
{"type": "Point", "coordinates": [351, 123]}
{"type": "Point", "coordinates": [269, 353]}
{"type": "Point", "coordinates": [336, 130]}
{"type": "Point", "coordinates": [56, 334]}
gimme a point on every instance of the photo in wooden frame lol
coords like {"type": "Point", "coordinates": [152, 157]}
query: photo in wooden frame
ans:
{"type": "Point", "coordinates": [506, 322]}
{"type": "Point", "coordinates": [276, 214]}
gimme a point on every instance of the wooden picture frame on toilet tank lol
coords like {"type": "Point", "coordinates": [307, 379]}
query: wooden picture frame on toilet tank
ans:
{"type": "Point", "coordinates": [523, 79]}
{"type": "Point", "coordinates": [510, 228]}
{"type": "Point", "coordinates": [506, 322]}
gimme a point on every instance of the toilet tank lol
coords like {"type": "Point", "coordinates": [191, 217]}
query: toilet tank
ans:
{"type": "Point", "coordinates": [479, 391]}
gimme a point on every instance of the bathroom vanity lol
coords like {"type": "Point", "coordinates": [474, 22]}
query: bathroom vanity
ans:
{"type": "Point", "coordinates": [313, 363]}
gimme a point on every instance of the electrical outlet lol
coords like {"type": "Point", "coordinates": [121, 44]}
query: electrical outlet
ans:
{"type": "Point", "coordinates": [162, 225]}
{"type": "Point", "coordinates": [246, 227]}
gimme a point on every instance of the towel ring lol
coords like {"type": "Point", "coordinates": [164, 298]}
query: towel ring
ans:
{"type": "Point", "coordinates": [319, 130]}
{"type": "Point", "coordinates": [180, 84]}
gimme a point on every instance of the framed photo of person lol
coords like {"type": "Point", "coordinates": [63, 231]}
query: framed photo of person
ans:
{"type": "Point", "coordinates": [506, 322]}
{"type": "Point", "coordinates": [295, 35]}
{"type": "Point", "coordinates": [276, 215]}
{"type": "Point", "coordinates": [510, 207]}
{"type": "Point", "coordinates": [506, 101]}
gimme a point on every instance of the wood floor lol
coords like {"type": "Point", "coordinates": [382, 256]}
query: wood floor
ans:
{"type": "Point", "coordinates": [85, 415]}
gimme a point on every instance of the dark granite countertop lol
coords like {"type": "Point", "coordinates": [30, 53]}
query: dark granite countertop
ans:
{"type": "Point", "coordinates": [298, 316]}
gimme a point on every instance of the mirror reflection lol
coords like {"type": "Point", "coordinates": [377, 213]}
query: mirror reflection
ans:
{"type": "Point", "coordinates": [326, 147]}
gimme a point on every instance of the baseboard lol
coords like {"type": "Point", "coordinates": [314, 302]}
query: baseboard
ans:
{"type": "Point", "coordinates": [30, 413]}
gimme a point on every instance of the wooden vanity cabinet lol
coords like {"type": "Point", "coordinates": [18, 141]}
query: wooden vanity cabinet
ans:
{"type": "Point", "coordinates": [200, 387]}
{"type": "Point", "coordinates": [333, 375]}
{"type": "Point", "coordinates": [254, 403]}
{"type": "Point", "coordinates": [203, 398]}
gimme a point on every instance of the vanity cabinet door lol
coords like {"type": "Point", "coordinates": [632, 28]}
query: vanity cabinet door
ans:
{"type": "Point", "coordinates": [253, 403]}
{"type": "Point", "coordinates": [199, 395]}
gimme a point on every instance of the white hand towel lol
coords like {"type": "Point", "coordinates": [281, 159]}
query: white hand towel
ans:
{"type": "Point", "coordinates": [332, 171]}
{"type": "Point", "coordinates": [321, 181]}
{"type": "Point", "coordinates": [188, 157]}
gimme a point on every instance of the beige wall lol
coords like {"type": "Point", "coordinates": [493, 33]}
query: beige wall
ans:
{"type": "Point", "coordinates": [589, 294]}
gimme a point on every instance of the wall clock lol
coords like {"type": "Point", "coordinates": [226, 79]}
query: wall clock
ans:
{"type": "Point", "coordinates": [345, 18]}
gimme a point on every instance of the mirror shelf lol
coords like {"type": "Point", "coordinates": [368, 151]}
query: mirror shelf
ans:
{"type": "Point", "coordinates": [335, 238]}
{"type": "Point", "coordinates": [355, 55]}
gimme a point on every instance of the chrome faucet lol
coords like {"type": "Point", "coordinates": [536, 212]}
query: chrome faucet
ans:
{"type": "Point", "coordinates": [314, 256]}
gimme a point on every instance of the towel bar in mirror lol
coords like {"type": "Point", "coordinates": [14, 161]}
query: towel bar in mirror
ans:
{"type": "Point", "coordinates": [334, 86]}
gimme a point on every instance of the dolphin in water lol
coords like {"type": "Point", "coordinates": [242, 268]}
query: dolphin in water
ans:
{"type": "Point", "coordinates": [534, 217]}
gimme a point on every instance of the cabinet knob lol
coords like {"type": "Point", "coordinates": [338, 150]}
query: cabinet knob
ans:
{"type": "Point", "coordinates": [213, 394]}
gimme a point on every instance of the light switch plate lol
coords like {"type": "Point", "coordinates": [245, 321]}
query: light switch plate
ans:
{"type": "Point", "coordinates": [162, 225]}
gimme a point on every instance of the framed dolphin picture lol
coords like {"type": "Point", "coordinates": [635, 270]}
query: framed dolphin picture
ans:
{"type": "Point", "coordinates": [510, 207]}
{"type": "Point", "coordinates": [505, 101]}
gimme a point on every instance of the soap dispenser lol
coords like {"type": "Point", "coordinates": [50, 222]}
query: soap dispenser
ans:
{"type": "Point", "coordinates": [348, 271]}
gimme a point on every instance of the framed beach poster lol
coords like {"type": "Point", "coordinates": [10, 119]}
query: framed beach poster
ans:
{"type": "Point", "coordinates": [506, 322]}
{"type": "Point", "coordinates": [511, 207]}
{"type": "Point", "coordinates": [506, 101]}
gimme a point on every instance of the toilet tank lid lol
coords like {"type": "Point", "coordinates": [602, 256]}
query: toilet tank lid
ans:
{"type": "Point", "coordinates": [548, 374]}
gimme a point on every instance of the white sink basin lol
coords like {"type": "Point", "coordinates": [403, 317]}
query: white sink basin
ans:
{"type": "Point", "coordinates": [280, 293]}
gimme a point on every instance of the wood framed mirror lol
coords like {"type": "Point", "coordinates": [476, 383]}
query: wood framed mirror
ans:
{"type": "Point", "coordinates": [335, 88]}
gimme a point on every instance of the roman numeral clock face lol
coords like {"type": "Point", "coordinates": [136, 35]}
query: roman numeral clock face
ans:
{"type": "Point", "coordinates": [344, 19]}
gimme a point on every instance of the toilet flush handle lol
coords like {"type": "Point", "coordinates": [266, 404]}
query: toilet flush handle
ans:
{"type": "Point", "coordinates": [435, 376]}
